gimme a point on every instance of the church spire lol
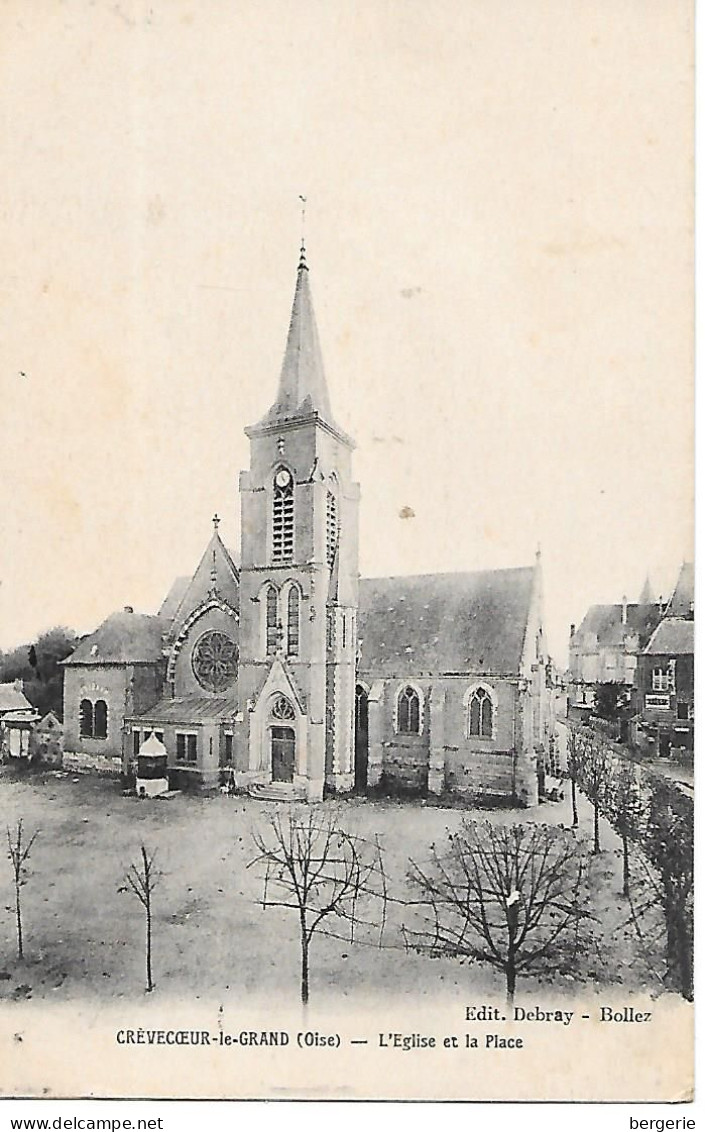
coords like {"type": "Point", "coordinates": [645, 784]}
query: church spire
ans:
{"type": "Point", "coordinates": [302, 382]}
{"type": "Point", "coordinates": [646, 596]}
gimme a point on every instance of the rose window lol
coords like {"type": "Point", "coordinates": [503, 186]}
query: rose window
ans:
{"type": "Point", "coordinates": [214, 662]}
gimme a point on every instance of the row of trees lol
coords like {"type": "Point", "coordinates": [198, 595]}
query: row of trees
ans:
{"type": "Point", "coordinates": [514, 897]}
{"type": "Point", "coordinates": [654, 819]}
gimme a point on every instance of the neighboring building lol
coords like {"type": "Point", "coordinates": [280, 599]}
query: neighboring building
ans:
{"type": "Point", "coordinates": [290, 674]}
{"type": "Point", "coordinates": [665, 692]}
{"type": "Point", "coordinates": [605, 648]}
{"type": "Point", "coordinates": [47, 741]}
{"type": "Point", "coordinates": [17, 719]}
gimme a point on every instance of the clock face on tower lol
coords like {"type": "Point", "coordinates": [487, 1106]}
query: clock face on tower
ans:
{"type": "Point", "coordinates": [283, 478]}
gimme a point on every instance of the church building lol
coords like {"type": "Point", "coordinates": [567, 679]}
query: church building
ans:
{"type": "Point", "coordinates": [288, 675]}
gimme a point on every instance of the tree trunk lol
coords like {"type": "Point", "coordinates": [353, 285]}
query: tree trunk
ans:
{"type": "Point", "coordinates": [510, 972]}
{"type": "Point", "coordinates": [596, 828]}
{"type": "Point", "coordinates": [574, 799]}
{"type": "Point", "coordinates": [304, 960]}
{"type": "Point", "coordinates": [625, 865]}
{"type": "Point", "coordinates": [685, 958]}
{"type": "Point", "coordinates": [18, 915]}
{"type": "Point", "coordinates": [679, 958]}
{"type": "Point", "coordinates": [150, 984]}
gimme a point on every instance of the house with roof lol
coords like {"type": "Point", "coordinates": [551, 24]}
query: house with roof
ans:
{"type": "Point", "coordinates": [17, 719]}
{"type": "Point", "coordinates": [665, 689]}
{"type": "Point", "coordinates": [290, 676]}
{"type": "Point", "coordinates": [605, 648]}
{"type": "Point", "coordinates": [664, 700]}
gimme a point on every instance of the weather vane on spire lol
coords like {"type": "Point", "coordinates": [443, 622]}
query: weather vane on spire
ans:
{"type": "Point", "coordinates": [302, 258]}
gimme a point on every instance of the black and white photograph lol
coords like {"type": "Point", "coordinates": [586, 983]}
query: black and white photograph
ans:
{"type": "Point", "coordinates": [347, 586]}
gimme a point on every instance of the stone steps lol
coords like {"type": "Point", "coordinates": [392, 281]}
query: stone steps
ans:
{"type": "Point", "coordinates": [277, 792]}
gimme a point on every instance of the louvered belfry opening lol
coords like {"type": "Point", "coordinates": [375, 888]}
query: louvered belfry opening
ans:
{"type": "Point", "coordinates": [283, 522]}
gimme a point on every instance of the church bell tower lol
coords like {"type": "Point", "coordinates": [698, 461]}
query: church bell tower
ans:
{"type": "Point", "coordinates": [299, 579]}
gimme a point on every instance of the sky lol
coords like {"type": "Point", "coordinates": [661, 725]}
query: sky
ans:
{"type": "Point", "coordinates": [499, 232]}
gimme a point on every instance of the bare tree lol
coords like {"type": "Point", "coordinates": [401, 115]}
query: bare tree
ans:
{"type": "Point", "coordinates": [321, 872]}
{"type": "Point", "coordinates": [667, 875]}
{"type": "Point", "coordinates": [141, 878]}
{"type": "Point", "coordinates": [19, 849]}
{"type": "Point", "coordinates": [626, 808]}
{"type": "Point", "coordinates": [511, 896]}
{"type": "Point", "coordinates": [592, 765]}
{"type": "Point", "coordinates": [573, 773]}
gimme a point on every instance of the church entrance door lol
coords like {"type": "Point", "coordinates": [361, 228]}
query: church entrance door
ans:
{"type": "Point", "coordinates": [283, 754]}
{"type": "Point", "coordinates": [362, 746]}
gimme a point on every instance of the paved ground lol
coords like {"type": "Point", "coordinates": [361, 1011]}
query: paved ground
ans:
{"type": "Point", "coordinates": [211, 938]}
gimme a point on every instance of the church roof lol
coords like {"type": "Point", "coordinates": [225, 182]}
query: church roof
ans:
{"type": "Point", "coordinates": [436, 623]}
{"type": "Point", "coordinates": [215, 568]}
{"type": "Point", "coordinates": [190, 709]}
{"type": "Point", "coordinates": [123, 638]}
{"type": "Point", "coordinates": [302, 382]}
{"type": "Point", "coordinates": [605, 622]}
{"type": "Point", "coordinates": [173, 599]}
{"type": "Point", "coordinates": [675, 636]}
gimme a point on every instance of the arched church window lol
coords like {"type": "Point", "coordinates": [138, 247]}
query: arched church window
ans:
{"type": "Point", "coordinates": [282, 709]}
{"type": "Point", "coordinates": [100, 720]}
{"type": "Point", "coordinates": [272, 620]}
{"type": "Point", "coordinates": [214, 661]}
{"type": "Point", "coordinates": [480, 714]}
{"type": "Point", "coordinates": [408, 711]}
{"type": "Point", "coordinates": [283, 516]}
{"type": "Point", "coordinates": [86, 719]}
{"type": "Point", "coordinates": [292, 621]}
{"type": "Point", "coordinates": [332, 524]}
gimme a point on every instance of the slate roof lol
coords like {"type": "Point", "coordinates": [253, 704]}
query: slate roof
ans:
{"type": "Point", "coordinates": [13, 699]}
{"type": "Point", "coordinates": [605, 621]}
{"type": "Point", "coordinates": [681, 603]}
{"type": "Point", "coordinates": [675, 636]}
{"type": "Point", "coordinates": [190, 709]}
{"type": "Point", "coordinates": [302, 382]}
{"type": "Point", "coordinates": [123, 638]}
{"type": "Point", "coordinates": [173, 599]}
{"type": "Point", "coordinates": [436, 623]}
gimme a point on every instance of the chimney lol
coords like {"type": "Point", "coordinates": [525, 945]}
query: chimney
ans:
{"type": "Point", "coordinates": [19, 685]}
{"type": "Point", "coordinates": [572, 629]}
{"type": "Point", "coordinates": [624, 609]}
{"type": "Point", "coordinates": [128, 609]}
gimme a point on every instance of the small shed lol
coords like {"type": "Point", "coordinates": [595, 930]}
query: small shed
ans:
{"type": "Point", "coordinates": [152, 778]}
{"type": "Point", "coordinates": [47, 741]}
{"type": "Point", "coordinates": [17, 720]}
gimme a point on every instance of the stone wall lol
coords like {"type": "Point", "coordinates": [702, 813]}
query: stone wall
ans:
{"type": "Point", "coordinates": [99, 682]}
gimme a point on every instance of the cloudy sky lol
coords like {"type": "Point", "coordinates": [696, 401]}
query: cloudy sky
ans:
{"type": "Point", "coordinates": [499, 235]}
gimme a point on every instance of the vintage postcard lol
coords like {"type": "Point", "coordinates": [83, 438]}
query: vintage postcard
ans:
{"type": "Point", "coordinates": [346, 569]}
